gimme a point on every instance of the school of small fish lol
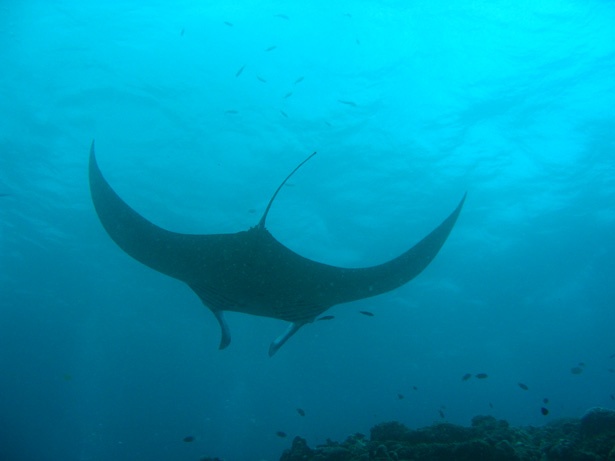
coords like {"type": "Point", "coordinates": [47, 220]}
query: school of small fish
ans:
{"type": "Point", "coordinates": [240, 71]}
{"type": "Point", "coordinates": [543, 407]}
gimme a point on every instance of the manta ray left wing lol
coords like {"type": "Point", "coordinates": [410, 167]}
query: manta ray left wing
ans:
{"type": "Point", "coordinates": [250, 271]}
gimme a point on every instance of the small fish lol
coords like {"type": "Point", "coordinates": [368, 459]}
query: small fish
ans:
{"type": "Point", "coordinates": [189, 438]}
{"type": "Point", "coordinates": [400, 396]}
{"type": "Point", "coordinates": [545, 401]}
{"type": "Point", "coordinates": [261, 79]}
{"type": "Point", "coordinates": [230, 24]}
{"type": "Point", "coordinates": [281, 16]}
{"type": "Point", "coordinates": [181, 34]}
{"type": "Point", "coordinates": [299, 80]}
{"type": "Point", "coordinates": [348, 103]}
{"type": "Point", "coordinates": [348, 15]}
{"type": "Point", "coordinates": [281, 434]}
{"type": "Point", "coordinates": [326, 317]}
{"type": "Point", "coordinates": [231, 112]}
{"type": "Point", "coordinates": [251, 211]}
{"type": "Point", "coordinates": [576, 370]}
{"type": "Point", "coordinates": [544, 411]}
{"type": "Point", "coordinates": [238, 73]}
{"type": "Point", "coordinates": [441, 414]}
{"type": "Point", "coordinates": [612, 397]}
{"type": "Point", "coordinates": [283, 113]}
{"type": "Point", "coordinates": [271, 48]}
{"type": "Point", "coordinates": [582, 364]}
{"type": "Point", "coordinates": [490, 405]}
{"type": "Point", "coordinates": [415, 388]}
{"type": "Point", "coordinates": [523, 386]}
{"type": "Point", "coordinates": [288, 95]}
{"type": "Point", "coordinates": [612, 356]}
{"type": "Point", "coordinates": [369, 314]}
{"type": "Point", "coordinates": [481, 375]}
{"type": "Point", "coordinates": [5, 195]}
{"type": "Point", "coordinates": [301, 411]}
{"type": "Point", "coordinates": [466, 376]}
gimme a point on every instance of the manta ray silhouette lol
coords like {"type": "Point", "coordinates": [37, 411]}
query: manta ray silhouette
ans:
{"type": "Point", "coordinates": [250, 271]}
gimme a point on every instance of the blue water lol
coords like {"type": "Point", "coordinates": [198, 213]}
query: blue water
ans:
{"type": "Point", "coordinates": [102, 358]}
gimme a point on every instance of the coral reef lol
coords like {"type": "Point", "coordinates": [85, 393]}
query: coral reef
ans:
{"type": "Point", "coordinates": [591, 438]}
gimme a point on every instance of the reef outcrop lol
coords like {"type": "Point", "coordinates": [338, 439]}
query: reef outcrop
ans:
{"type": "Point", "coordinates": [590, 438]}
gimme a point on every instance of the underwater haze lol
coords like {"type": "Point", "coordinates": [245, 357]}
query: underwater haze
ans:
{"type": "Point", "coordinates": [199, 110]}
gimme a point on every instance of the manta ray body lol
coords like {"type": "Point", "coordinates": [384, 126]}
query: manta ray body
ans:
{"type": "Point", "coordinates": [250, 271]}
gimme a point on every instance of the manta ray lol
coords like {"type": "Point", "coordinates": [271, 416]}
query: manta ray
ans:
{"type": "Point", "coordinates": [251, 271]}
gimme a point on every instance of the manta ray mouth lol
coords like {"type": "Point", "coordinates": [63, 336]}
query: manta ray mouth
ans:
{"type": "Point", "coordinates": [250, 271]}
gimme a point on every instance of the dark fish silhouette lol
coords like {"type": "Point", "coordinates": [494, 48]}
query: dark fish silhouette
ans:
{"type": "Point", "coordinates": [545, 401]}
{"type": "Point", "coordinates": [189, 439]}
{"type": "Point", "coordinates": [466, 376]}
{"type": "Point", "coordinates": [576, 370]}
{"type": "Point", "coordinates": [400, 396]}
{"type": "Point", "coordinates": [281, 434]}
{"type": "Point", "coordinates": [369, 314]}
{"type": "Point", "coordinates": [481, 375]}
{"type": "Point", "coordinates": [523, 386]}
{"type": "Point", "coordinates": [326, 317]}
{"type": "Point", "coordinates": [271, 48]}
{"type": "Point", "coordinates": [544, 411]}
{"type": "Point", "coordinates": [301, 411]}
{"type": "Point", "coordinates": [250, 271]}
{"type": "Point", "coordinates": [238, 73]}
{"type": "Point", "coordinates": [348, 103]}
